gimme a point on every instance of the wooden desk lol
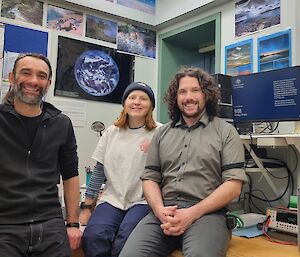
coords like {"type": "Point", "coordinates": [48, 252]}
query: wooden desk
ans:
{"type": "Point", "coordinates": [243, 247]}
{"type": "Point", "coordinates": [255, 247]}
{"type": "Point", "coordinates": [260, 247]}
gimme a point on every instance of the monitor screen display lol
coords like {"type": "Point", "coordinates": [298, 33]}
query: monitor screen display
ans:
{"type": "Point", "coordinates": [267, 96]}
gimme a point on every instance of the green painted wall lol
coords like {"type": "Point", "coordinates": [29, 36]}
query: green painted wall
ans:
{"type": "Point", "coordinates": [180, 47]}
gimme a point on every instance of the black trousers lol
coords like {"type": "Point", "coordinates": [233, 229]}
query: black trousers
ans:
{"type": "Point", "coordinates": [39, 239]}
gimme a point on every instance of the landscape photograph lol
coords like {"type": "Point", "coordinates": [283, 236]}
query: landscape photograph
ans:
{"type": "Point", "coordinates": [23, 10]}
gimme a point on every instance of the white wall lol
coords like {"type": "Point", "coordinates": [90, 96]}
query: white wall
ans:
{"type": "Point", "coordinates": [288, 20]}
{"type": "Point", "coordinates": [116, 9]}
{"type": "Point", "coordinates": [169, 9]}
{"type": "Point", "coordinates": [165, 9]}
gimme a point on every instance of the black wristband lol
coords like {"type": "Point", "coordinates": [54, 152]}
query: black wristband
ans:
{"type": "Point", "coordinates": [83, 205]}
{"type": "Point", "coordinates": [73, 225]}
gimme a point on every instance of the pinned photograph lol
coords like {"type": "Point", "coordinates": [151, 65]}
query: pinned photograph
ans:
{"type": "Point", "coordinates": [147, 6]}
{"type": "Point", "coordinates": [92, 72]}
{"type": "Point", "coordinates": [136, 40]}
{"type": "Point", "coordinates": [255, 15]}
{"type": "Point", "coordinates": [30, 11]}
{"type": "Point", "coordinates": [65, 20]}
{"type": "Point", "coordinates": [274, 51]}
{"type": "Point", "coordinates": [102, 29]}
{"type": "Point", "coordinates": [239, 58]}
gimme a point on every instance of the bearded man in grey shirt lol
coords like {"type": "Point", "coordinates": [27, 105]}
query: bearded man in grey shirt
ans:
{"type": "Point", "coordinates": [194, 169]}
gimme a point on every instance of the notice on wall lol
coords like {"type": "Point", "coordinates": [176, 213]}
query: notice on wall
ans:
{"type": "Point", "coordinates": [75, 110]}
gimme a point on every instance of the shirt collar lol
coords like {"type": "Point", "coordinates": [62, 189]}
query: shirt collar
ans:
{"type": "Point", "coordinates": [204, 119]}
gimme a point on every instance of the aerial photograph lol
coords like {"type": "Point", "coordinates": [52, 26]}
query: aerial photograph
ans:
{"type": "Point", "coordinates": [23, 10]}
{"type": "Point", "coordinates": [101, 29]}
{"type": "Point", "coordinates": [254, 15]}
{"type": "Point", "coordinates": [65, 20]}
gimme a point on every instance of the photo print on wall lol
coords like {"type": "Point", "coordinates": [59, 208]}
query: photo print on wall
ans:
{"type": "Point", "coordinates": [239, 58]}
{"type": "Point", "coordinates": [136, 40]}
{"type": "Point", "coordinates": [30, 11]}
{"type": "Point", "coordinates": [274, 51]}
{"type": "Point", "coordinates": [101, 29]}
{"type": "Point", "coordinates": [91, 72]}
{"type": "Point", "coordinates": [146, 6]}
{"type": "Point", "coordinates": [65, 20]}
{"type": "Point", "coordinates": [255, 15]}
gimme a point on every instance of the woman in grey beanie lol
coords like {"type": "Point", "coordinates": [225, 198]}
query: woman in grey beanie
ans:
{"type": "Point", "coordinates": [121, 155]}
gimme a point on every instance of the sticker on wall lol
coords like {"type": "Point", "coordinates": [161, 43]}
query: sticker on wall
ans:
{"type": "Point", "coordinates": [274, 51]}
{"type": "Point", "coordinates": [239, 58]}
{"type": "Point", "coordinates": [254, 15]}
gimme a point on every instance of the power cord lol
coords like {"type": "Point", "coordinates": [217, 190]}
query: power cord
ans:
{"type": "Point", "coordinates": [264, 227]}
{"type": "Point", "coordinates": [233, 221]}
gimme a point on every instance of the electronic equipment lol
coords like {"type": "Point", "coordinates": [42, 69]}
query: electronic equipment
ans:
{"type": "Point", "coordinates": [283, 220]}
{"type": "Point", "coordinates": [225, 104]}
{"type": "Point", "coordinates": [267, 96]}
{"type": "Point", "coordinates": [252, 219]}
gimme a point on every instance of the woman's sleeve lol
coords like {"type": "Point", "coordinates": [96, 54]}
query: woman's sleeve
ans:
{"type": "Point", "coordinates": [97, 179]}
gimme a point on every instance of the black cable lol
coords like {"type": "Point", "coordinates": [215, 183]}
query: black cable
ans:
{"type": "Point", "coordinates": [249, 192]}
{"type": "Point", "coordinates": [264, 195]}
{"type": "Point", "coordinates": [289, 174]}
{"type": "Point", "coordinates": [276, 126]}
{"type": "Point", "coordinates": [292, 180]}
{"type": "Point", "coordinates": [289, 177]}
{"type": "Point", "coordinates": [249, 178]}
{"type": "Point", "coordinates": [270, 128]}
{"type": "Point", "coordinates": [256, 207]}
{"type": "Point", "coordinates": [274, 176]}
{"type": "Point", "coordinates": [276, 199]}
{"type": "Point", "coordinates": [297, 160]}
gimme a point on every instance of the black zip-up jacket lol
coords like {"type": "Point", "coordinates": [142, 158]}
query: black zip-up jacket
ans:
{"type": "Point", "coordinates": [29, 175]}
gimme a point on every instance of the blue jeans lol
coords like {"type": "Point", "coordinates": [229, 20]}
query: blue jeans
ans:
{"type": "Point", "coordinates": [38, 239]}
{"type": "Point", "coordinates": [109, 228]}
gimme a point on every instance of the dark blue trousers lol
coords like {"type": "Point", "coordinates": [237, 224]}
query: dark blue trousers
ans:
{"type": "Point", "coordinates": [109, 228]}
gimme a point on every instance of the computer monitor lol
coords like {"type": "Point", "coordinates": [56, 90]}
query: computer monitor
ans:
{"type": "Point", "coordinates": [267, 96]}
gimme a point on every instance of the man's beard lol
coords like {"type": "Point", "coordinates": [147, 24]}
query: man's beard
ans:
{"type": "Point", "coordinates": [196, 114]}
{"type": "Point", "coordinates": [28, 99]}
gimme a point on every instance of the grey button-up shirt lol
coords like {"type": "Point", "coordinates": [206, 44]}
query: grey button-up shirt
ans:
{"type": "Point", "coordinates": [189, 163]}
